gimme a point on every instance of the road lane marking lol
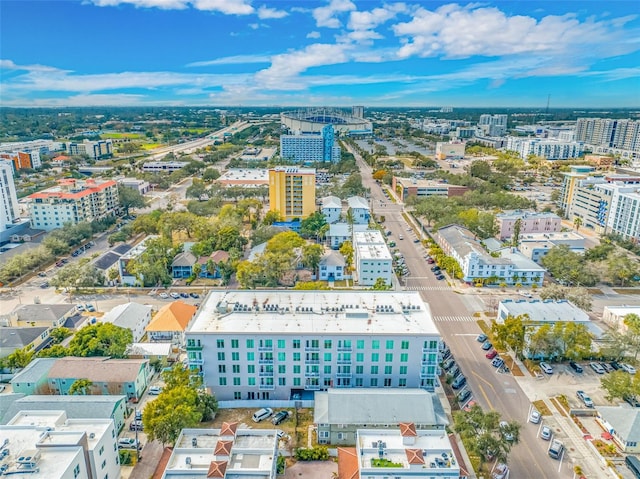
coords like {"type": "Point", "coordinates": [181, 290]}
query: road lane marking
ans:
{"type": "Point", "coordinates": [482, 389]}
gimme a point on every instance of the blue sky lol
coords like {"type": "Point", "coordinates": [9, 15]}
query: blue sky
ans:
{"type": "Point", "coordinates": [337, 52]}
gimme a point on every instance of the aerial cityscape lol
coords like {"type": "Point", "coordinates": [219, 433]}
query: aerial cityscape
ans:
{"type": "Point", "coordinates": [332, 240]}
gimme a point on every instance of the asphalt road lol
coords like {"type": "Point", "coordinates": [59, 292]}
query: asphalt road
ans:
{"type": "Point", "coordinates": [453, 315]}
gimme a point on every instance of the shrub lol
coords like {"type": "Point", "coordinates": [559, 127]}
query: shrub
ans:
{"type": "Point", "coordinates": [316, 453]}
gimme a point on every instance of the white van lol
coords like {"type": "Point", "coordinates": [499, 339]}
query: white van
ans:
{"type": "Point", "coordinates": [262, 414]}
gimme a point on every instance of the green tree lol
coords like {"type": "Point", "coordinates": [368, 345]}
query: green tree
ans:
{"type": "Point", "coordinates": [54, 351]}
{"type": "Point", "coordinates": [312, 225]}
{"type": "Point", "coordinates": [210, 174]}
{"type": "Point", "coordinates": [574, 339]}
{"type": "Point", "coordinates": [18, 359]}
{"type": "Point", "coordinates": [311, 256]}
{"type": "Point", "coordinates": [381, 285]}
{"type": "Point", "coordinates": [577, 223]}
{"type": "Point", "coordinates": [543, 343]}
{"type": "Point", "coordinates": [81, 387]}
{"type": "Point", "coordinates": [511, 332]}
{"type": "Point", "coordinates": [196, 190]}
{"type": "Point", "coordinates": [130, 198]}
{"type": "Point", "coordinates": [78, 275]}
{"type": "Point", "coordinates": [172, 411]}
{"type": "Point", "coordinates": [515, 238]}
{"type": "Point", "coordinates": [621, 269]}
{"type": "Point", "coordinates": [620, 385]}
{"type": "Point", "coordinates": [271, 217]}
{"type": "Point", "coordinates": [101, 339]}
{"type": "Point", "coordinates": [632, 322]}
{"type": "Point", "coordinates": [59, 334]}
{"type": "Point", "coordinates": [346, 250]}
{"type": "Point", "coordinates": [483, 435]}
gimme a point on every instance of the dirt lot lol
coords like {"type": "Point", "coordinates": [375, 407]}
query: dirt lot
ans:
{"type": "Point", "coordinates": [312, 470]}
{"type": "Point", "coordinates": [296, 426]}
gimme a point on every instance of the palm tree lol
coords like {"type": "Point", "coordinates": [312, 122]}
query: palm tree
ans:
{"type": "Point", "coordinates": [577, 223]}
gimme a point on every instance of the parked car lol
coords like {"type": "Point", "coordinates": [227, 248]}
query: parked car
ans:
{"type": "Point", "coordinates": [435, 268]}
{"type": "Point", "coordinates": [431, 260]}
{"type": "Point", "coordinates": [262, 414]}
{"type": "Point", "coordinates": [128, 443]}
{"type": "Point", "coordinates": [481, 338]}
{"type": "Point", "coordinates": [155, 390]}
{"type": "Point", "coordinates": [586, 400]}
{"type": "Point", "coordinates": [631, 400]}
{"type": "Point", "coordinates": [607, 367]}
{"type": "Point", "coordinates": [596, 367]}
{"type": "Point", "coordinates": [501, 471]}
{"type": "Point", "coordinates": [42, 274]}
{"type": "Point", "coordinates": [90, 308]}
{"type": "Point", "coordinates": [138, 415]}
{"type": "Point", "coordinates": [194, 295]}
{"type": "Point", "coordinates": [545, 433]}
{"type": "Point", "coordinates": [440, 277]}
{"type": "Point", "coordinates": [279, 417]}
{"type": "Point", "coordinates": [400, 237]}
{"type": "Point", "coordinates": [627, 368]}
{"type": "Point", "coordinates": [546, 368]}
{"type": "Point", "coordinates": [459, 382]}
{"type": "Point", "coordinates": [163, 295]}
{"type": "Point", "coordinates": [184, 295]}
{"type": "Point", "coordinates": [136, 426]}
{"type": "Point", "coordinates": [507, 435]}
{"type": "Point", "coordinates": [464, 395]}
{"type": "Point", "coordinates": [534, 417]}
{"type": "Point", "coordinates": [44, 285]}
{"type": "Point", "coordinates": [575, 366]}
{"type": "Point", "coordinates": [448, 363]}
{"type": "Point", "coordinates": [487, 346]}
{"type": "Point", "coordinates": [174, 295]}
{"type": "Point", "coordinates": [615, 365]}
{"type": "Point", "coordinates": [497, 362]}
{"type": "Point", "coordinates": [491, 354]}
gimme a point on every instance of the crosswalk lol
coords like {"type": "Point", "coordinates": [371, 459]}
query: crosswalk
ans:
{"type": "Point", "coordinates": [459, 319]}
{"type": "Point", "coordinates": [427, 288]}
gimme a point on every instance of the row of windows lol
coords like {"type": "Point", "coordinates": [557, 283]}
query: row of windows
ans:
{"type": "Point", "coordinates": [326, 357]}
{"type": "Point", "coordinates": [328, 382]}
{"type": "Point", "coordinates": [312, 343]}
{"type": "Point", "coordinates": [282, 369]}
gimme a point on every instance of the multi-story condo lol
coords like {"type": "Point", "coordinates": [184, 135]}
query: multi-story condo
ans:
{"type": "Point", "coordinates": [406, 187]}
{"type": "Point", "coordinates": [624, 209]}
{"type": "Point", "coordinates": [285, 345]}
{"type": "Point", "coordinates": [530, 222]}
{"type": "Point", "coordinates": [93, 149]}
{"type": "Point", "coordinates": [48, 445]}
{"type": "Point", "coordinates": [372, 258]}
{"type": "Point", "coordinates": [618, 136]}
{"type": "Point", "coordinates": [547, 148]}
{"type": "Point", "coordinates": [509, 266]}
{"type": "Point", "coordinates": [292, 191]}
{"type": "Point", "coordinates": [73, 201]}
{"type": "Point", "coordinates": [454, 150]}
{"type": "Point", "coordinates": [331, 209]}
{"type": "Point", "coordinates": [311, 148]}
{"type": "Point", "coordinates": [228, 452]}
{"type": "Point", "coordinates": [493, 125]}
{"type": "Point", "coordinates": [8, 200]}
{"type": "Point", "coordinates": [23, 159]}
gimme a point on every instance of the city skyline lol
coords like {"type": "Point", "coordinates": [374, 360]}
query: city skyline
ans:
{"type": "Point", "coordinates": [338, 52]}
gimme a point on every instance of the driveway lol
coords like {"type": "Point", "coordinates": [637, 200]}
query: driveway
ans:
{"type": "Point", "coordinates": [312, 470]}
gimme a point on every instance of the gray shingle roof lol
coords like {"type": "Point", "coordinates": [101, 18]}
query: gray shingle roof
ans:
{"type": "Point", "coordinates": [184, 259]}
{"type": "Point", "coordinates": [127, 315]}
{"type": "Point", "coordinates": [357, 202]}
{"type": "Point", "coordinates": [20, 337]}
{"type": "Point", "coordinates": [42, 312]}
{"type": "Point", "coordinates": [332, 258]}
{"type": "Point", "coordinates": [97, 369]}
{"type": "Point", "coordinates": [378, 406]}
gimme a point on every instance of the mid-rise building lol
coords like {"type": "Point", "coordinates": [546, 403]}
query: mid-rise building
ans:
{"type": "Point", "coordinates": [624, 209]}
{"type": "Point", "coordinates": [23, 159]}
{"type": "Point", "coordinates": [9, 210]}
{"type": "Point", "coordinates": [614, 316]}
{"type": "Point", "coordinates": [228, 452]}
{"type": "Point", "coordinates": [535, 246]}
{"type": "Point", "coordinates": [73, 201]}
{"type": "Point", "coordinates": [450, 150]}
{"type": "Point", "coordinates": [285, 345]}
{"type": "Point", "coordinates": [292, 191]}
{"type": "Point", "coordinates": [402, 453]}
{"type": "Point", "coordinates": [163, 166]}
{"type": "Point", "coordinates": [48, 445]}
{"type": "Point", "coordinates": [93, 149]}
{"type": "Point", "coordinates": [615, 133]}
{"type": "Point", "coordinates": [372, 258]}
{"type": "Point", "coordinates": [509, 266]}
{"type": "Point", "coordinates": [406, 187]}
{"type": "Point", "coordinates": [493, 125]}
{"type": "Point", "coordinates": [245, 177]}
{"type": "Point", "coordinates": [550, 149]}
{"type": "Point", "coordinates": [530, 222]}
{"type": "Point", "coordinates": [311, 148]}
{"type": "Point", "coordinates": [141, 186]}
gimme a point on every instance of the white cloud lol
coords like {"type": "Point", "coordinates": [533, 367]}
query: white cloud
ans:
{"type": "Point", "coordinates": [327, 16]}
{"type": "Point", "coordinates": [377, 16]}
{"type": "Point", "coordinates": [265, 13]}
{"type": "Point", "coordinates": [162, 4]}
{"type": "Point", "coordinates": [11, 65]}
{"type": "Point", "coordinates": [233, 60]}
{"type": "Point", "coordinates": [313, 35]}
{"type": "Point", "coordinates": [228, 7]}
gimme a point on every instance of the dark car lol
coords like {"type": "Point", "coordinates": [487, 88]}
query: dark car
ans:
{"type": "Point", "coordinates": [487, 346]}
{"type": "Point", "coordinates": [42, 274]}
{"type": "Point", "coordinates": [435, 268]}
{"type": "Point", "coordinates": [607, 367]}
{"type": "Point", "coordinates": [632, 400]}
{"type": "Point", "coordinates": [615, 365]}
{"type": "Point", "coordinates": [464, 395]}
{"type": "Point", "coordinates": [184, 295]}
{"type": "Point", "coordinates": [194, 295]}
{"type": "Point", "coordinates": [575, 366]}
{"type": "Point", "coordinates": [279, 417]}
{"type": "Point", "coordinates": [440, 277]}
{"type": "Point", "coordinates": [44, 285]}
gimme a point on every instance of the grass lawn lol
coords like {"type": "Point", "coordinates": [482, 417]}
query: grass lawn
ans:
{"type": "Point", "coordinates": [542, 408]}
{"type": "Point", "coordinates": [627, 290]}
{"type": "Point", "coordinates": [115, 136]}
{"type": "Point", "coordinates": [150, 146]}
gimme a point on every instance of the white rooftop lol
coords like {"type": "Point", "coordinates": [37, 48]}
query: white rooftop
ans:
{"type": "Point", "coordinates": [545, 311]}
{"type": "Point", "coordinates": [314, 312]}
{"type": "Point", "coordinates": [552, 236]}
{"type": "Point", "coordinates": [331, 202]}
{"type": "Point", "coordinates": [357, 202]}
{"type": "Point", "coordinates": [245, 174]}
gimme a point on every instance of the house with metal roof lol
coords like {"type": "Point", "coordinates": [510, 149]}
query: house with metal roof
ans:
{"type": "Point", "coordinates": [33, 378]}
{"type": "Point", "coordinates": [332, 267]}
{"type": "Point", "coordinates": [360, 210]}
{"type": "Point", "coordinates": [108, 376]}
{"type": "Point", "coordinates": [76, 407]}
{"type": "Point", "coordinates": [331, 208]}
{"type": "Point", "coordinates": [340, 412]}
{"type": "Point", "coordinates": [623, 423]}
{"type": "Point", "coordinates": [132, 316]}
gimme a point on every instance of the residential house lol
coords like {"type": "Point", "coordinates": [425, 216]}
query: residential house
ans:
{"type": "Point", "coordinates": [507, 266]}
{"type": "Point", "coordinates": [623, 423]}
{"type": "Point", "coordinates": [33, 379]}
{"type": "Point", "coordinates": [333, 267]}
{"type": "Point", "coordinates": [108, 376]}
{"type": "Point", "coordinates": [76, 407]}
{"type": "Point", "coordinates": [42, 315]}
{"type": "Point", "coordinates": [216, 258]}
{"type": "Point", "coordinates": [331, 208]}
{"type": "Point", "coordinates": [401, 453]}
{"type": "Point", "coordinates": [339, 413]}
{"type": "Point", "coordinates": [132, 316]}
{"type": "Point", "coordinates": [127, 277]}
{"type": "Point", "coordinates": [49, 444]}
{"type": "Point", "coordinates": [161, 352]}
{"type": "Point", "coordinates": [171, 321]}
{"type": "Point", "coordinates": [182, 265]}
{"type": "Point", "coordinates": [228, 452]}
{"type": "Point", "coordinates": [360, 210]}
{"type": "Point", "coordinates": [544, 312]}
{"type": "Point", "coordinates": [30, 338]}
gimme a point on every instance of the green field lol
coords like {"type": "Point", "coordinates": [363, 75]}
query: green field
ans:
{"type": "Point", "coordinates": [150, 146]}
{"type": "Point", "coordinates": [115, 136]}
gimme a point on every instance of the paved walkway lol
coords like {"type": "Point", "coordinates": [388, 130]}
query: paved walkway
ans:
{"type": "Point", "coordinates": [150, 454]}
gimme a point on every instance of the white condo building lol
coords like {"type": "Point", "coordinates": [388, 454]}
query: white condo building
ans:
{"type": "Point", "coordinates": [372, 258]}
{"type": "Point", "coordinates": [48, 445]}
{"type": "Point", "coordinates": [624, 209]}
{"type": "Point", "coordinates": [493, 125]}
{"type": "Point", "coordinates": [284, 345]}
{"type": "Point", "coordinates": [547, 148]}
{"type": "Point", "coordinates": [9, 210]}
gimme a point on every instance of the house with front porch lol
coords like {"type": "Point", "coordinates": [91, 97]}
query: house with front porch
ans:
{"type": "Point", "coordinates": [171, 322]}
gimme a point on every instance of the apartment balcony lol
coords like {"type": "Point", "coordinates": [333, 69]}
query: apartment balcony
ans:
{"type": "Point", "coordinates": [344, 361]}
{"type": "Point", "coordinates": [194, 348]}
{"type": "Point", "coordinates": [312, 374]}
{"type": "Point", "coordinates": [425, 375]}
{"type": "Point", "coordinates": [265, 361]}
{"type": "Point", "coordinates": [267, 387]}
{"type": "Point", "coordinates": [266, 374]}
{"type": "Point", "coordinates": [312, 348]}
{"type": "Point", "coordinates": [312, 387]}
{"type": "Point", "coordinates": [343, 375]}
{"type": "Point", "coordinates": [345, 349]}
{"type": "Point", "coordinates": [196, 362]}
{"type": "Point", "coordinates": [265, 349]}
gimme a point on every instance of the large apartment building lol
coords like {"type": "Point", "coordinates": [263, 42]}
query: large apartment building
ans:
{"type": "Point", "coordinates": [9, 210]}
{"type": "Point", "coordinates": [311, 148]}
{"type": "Point", "coordinates": [73, 201]}
{"type": "Point", "coordinates": [530, 222]}
{"type": "Point", "coordinates": [372, 258]}
{"type": "Point", "coordinates": [493, 125]}
{"type": "Point", "coordinates": [93, 149]}
{"type": "Point", "coordinates": [23, 159]}
{"type": "Point", "coordinates": [292, 191]}
{"type": "Point", "coordinates": [551, 149]}
{"type": "Point", "coordinates": [624, 134]}
{"type": "Point", "coordinates": [285, 345]}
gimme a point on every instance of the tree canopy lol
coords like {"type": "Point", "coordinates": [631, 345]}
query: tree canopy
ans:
{"type": "Point", "coordinates": [101, 339]}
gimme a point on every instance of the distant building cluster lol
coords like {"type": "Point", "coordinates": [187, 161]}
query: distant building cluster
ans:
{"type": "Point", "coordinates": [27, 154]}
{"type": "Point", "coordinates": [311, 148]}
{"type": "Point", "coordinates": [610, 135]}
{"type": "Point", "coordinates": [551, 149]}
{"type": "Point", "coordinates": [95, 150]}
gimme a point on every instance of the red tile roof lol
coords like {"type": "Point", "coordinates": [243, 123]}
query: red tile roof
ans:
{"type": "Point", "coordinates": [90, 187]}
{"type": "Point", "coordinates": [229, 429]}
{"type": "Point", "coordinates": [217, 469]}
{"type": "Point", "coordinates": [414, 456]}
{"type": "Point", "coordinates": [348, 467]}
{"type": "Point", "coordinates": [223, 448]}
{"type": "Point", "coordinates": [162, 463]}
{"type": "Point", "coordinates": [408, 429]}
